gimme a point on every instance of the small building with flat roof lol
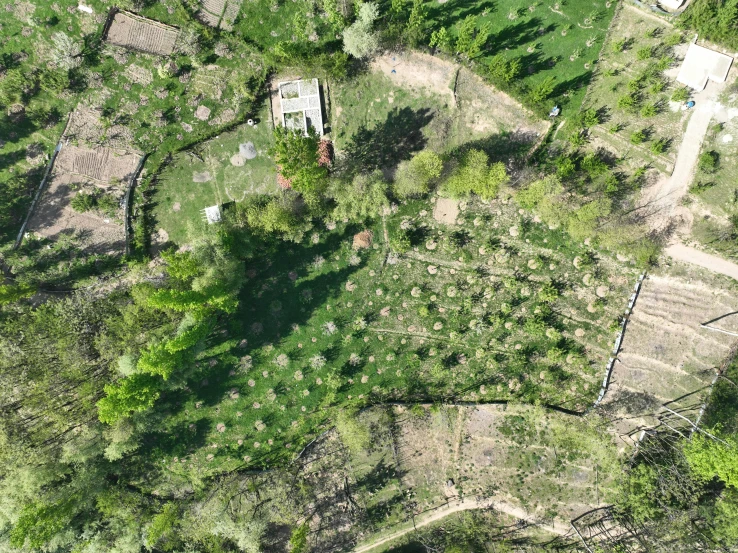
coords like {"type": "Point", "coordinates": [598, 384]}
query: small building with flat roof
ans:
{"type": "Point", "coordinates": [701, 65]}
{"type": "Point", "coordinates": [301, 106]}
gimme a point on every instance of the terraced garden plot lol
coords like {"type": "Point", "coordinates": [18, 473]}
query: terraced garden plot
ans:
{"type": "Point", "coordinates": [616, 70]}
{"type": "Point", "coordinates": [229, 167]}
{"type": "Point", "coordinates": [138, 33]}
{"type": "Point", "coordinates": [666, 357]}
{"type": "Point", "coordinates": [492, 308]}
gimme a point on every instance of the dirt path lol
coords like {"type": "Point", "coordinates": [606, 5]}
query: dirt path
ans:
{"type": "Point", "coordinates": [713, 263]}
{"type": "Point", "coordinates": [665, 197]}
{"type": "Point", "coordinates": [455, 506]}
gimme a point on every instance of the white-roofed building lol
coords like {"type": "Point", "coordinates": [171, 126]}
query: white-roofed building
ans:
{"type": "Point", "coordinates": [701, 65]}
{"type": "Point", "coordinates": [301, 106]}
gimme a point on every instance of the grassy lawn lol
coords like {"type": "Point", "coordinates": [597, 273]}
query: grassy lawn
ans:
{"type": "Point", "coordinates": [560, 39]}
{"type": "Point", "coordinates": [180, 198]}
{"type": "Point", "coordinates": [383, 120]}
{"type": "Point", "coordinates": [466, 313]}
{"type": "Point", "coordinates": [715, 195]}
{"type": "Point", "coordinates": [618, 72]}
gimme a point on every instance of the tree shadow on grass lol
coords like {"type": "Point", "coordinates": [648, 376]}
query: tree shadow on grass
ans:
{"type": "Point", "coordinates": [448, 14]}
{"type": "Point", "coordinates": [379, 477]}
{"type": "Point", "coordinates": [575, 83]}
{"type": "Point", "coordinates": [388, 143]}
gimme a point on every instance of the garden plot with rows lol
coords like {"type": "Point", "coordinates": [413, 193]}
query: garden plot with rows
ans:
{"type": "Point", "coordinates": [493, 307]}
{"type": "Point", "coordinates": [635, 93]}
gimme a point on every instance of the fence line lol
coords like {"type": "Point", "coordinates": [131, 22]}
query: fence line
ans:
{"type": "Point", "coordinates": [127, 203]}
{"type": "Point", "coordinates": [619, 341]}
{"type": "Point", "coordinates": [41, 187]}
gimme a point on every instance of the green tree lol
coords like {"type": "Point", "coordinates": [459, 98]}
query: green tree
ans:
{"type": "Point", "coordinates": [358, 39]}
{"type": "Point", "coordinates": [416, 28]}
{"type": "Point", "coordinates": [543, 90]}
{"type": "Point", "coordinates": [415, 177]}
{"type": "Point", "coordinates": [298, 539]}
{"type": "Point", "coordinates": [354, 433]}
{"type": "Point", "coordinates": [474, 175]}
{"type": "Point", "coordinates": [297, 156]}
{"type": "Point", "coordinates": [364, 198]}
{"type": "Point", "coordinates": [710, 458]}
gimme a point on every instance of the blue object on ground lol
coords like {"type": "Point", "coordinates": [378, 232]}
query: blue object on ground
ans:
{"type": "Point", "coordinates": [690, 104]}
{"type": "Point", "coordinates": [394, 71]}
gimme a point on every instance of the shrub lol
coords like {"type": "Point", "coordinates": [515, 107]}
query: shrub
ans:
{"type": "Point", "coordinates": [107, 204]}
{"type": "Point", "coordinates": [627, 102]}
{"type": "Point", "coordinates": [673, 39]}
{"type": "Point", "coordinates": [709, 162]}
{"type": "Point", "coordinates": [649, 110]}
{"type": "Point", "coordinates": [589, 118]}
{"type": "Point", "coordinates": [534, 193]}
{"type": "Point", "coordinates": [680, 95]}
{"type": "Point", "coordinates": [543, 90]}
{"type": "Point", "coordinates": [644, 53]}
{"type": "Point", "coordinates": [657, 87]}
{"type": "Point", "coordinates": [578, 138]}
{"type": "Point", "coordinates": [659, 146]}
{"type": "Point", "coordinates": [83, 202]}
{"type": "Point", "coordinates": [619, 45]}
{"type": "Point", "coordinates": [615, 128]}
{"type": "Point", "coordinates": [638, 137]}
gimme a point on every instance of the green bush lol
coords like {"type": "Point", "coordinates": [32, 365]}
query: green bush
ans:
{"type": "Point", "coordinates": [649, 110]}
{"type": "Point", "coordinates": [83, 202]}
{"type": "Point", "coordinates": [673, 39]}
{"type": "Point", "coordinates": [619, 45]}
{"type": "Point", "coordinates": [543, 90]}
{"type": "Point", "coordinates": [680, 95]}
{"type": "Point", "coordinates": [628, 102]}
{"type": "Point", "coordinates": [659, 146]}
{"type": "Point", "coordinates": [644, 53]}
{"type": "Point", "coordinates": [565, 167]}
{"type": "Point", "coordinates": [657, 87]}
{"type": "Point", "coordinates": [107, 204]}
{"type": "Point", "coordinates": [709, 161]}
{"type": "Point", "coordinates": [638, 137]}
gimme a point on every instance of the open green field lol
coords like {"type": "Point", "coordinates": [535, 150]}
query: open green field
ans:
{"type": "Point", "coordinates": [381, 117]}
{"type": "Point", "coordinates": [716, 193]}
{"type": "Point", "coordinates": [633, 72]}
{"type": "Point", "coordinates": [495, 307]}
{"type": "Point", "coordinates": [560, 40]}
{"type": "Point", "coordinates": [214, 173]}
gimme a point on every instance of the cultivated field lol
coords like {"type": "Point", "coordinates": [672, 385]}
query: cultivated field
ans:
{"type": "Point", "coordinates": [416, 100]}
{"type": "Point", "coordinates": [133, 32]}
{"type": "Point", "coordinates": [629, 68]}
{"type": "Point", "coordinates": [496, 306]}
{"type": "Point", "coordinates": [224, 169]}
{"type": "Point", "coordinates": [666, 358]}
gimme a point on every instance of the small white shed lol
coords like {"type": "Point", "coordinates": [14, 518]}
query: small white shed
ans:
{"type": "Point", "coordinates": [702, 64]}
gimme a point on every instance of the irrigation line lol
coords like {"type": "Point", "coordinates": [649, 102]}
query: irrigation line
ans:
{"type": "Point", "coordinates": [619, 340]}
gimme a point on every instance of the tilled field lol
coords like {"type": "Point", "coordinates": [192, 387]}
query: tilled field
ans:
{"type": "Point", "coordinates": [666, 356]}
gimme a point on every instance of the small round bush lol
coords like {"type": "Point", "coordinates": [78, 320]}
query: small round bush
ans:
{"type": "Point", "coordinates": [680, 95]}
{"type": "Point", "coordinates": [638, 137]}
{"type": "Point", "coordinates": [649, 110]}
{"type": "Point", "coordinates": [83, 202]}
{"type": "Point", "coordinates": [644, 53]}
{"type": "Point", "coordinates": [709, 161]}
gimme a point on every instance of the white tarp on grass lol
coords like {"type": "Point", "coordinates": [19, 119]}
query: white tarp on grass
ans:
{"type": "Point", "coordinates": [702, 64]}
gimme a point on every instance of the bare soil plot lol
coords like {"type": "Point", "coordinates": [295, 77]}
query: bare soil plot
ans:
{"type": "Point", "coordinates": [665, 354]}
{"type": "Point", "coordinates": [138, 33]}
{"type": "Point", "coordinates": [506, 453]}
{"type": "Point", "coordinates": [446, 210]}
{"type": "Point", "coordinates": [54, 218]}
{"type": "Point", "coordinates": [106, 166]}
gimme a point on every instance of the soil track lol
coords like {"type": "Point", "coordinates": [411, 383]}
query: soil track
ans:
{"type": "Point", "coordinates": [557, 527]}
